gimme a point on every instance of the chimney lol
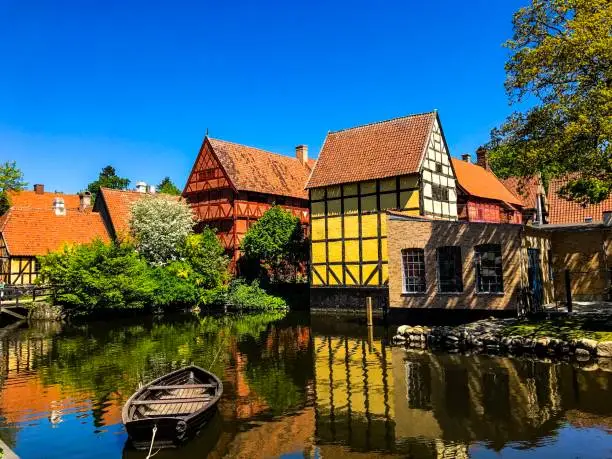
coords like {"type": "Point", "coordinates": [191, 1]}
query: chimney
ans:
{"type": "Point", "coordinates": [141, 187]}
{"type": "Point", "coordinates": [466, 157]}
{"type": "Point", "coordinates": [58, 206]}
{"type": "Point", "coordinates": [301, 153]}
{"type": "Point", "coordinates": [39, 188]}
{"type": "Point", "coordinates": [482, 158]}
{"type": "Point", "coordinates": [151, 189]}
{"type": "Point", "coordinates": [84, 200]}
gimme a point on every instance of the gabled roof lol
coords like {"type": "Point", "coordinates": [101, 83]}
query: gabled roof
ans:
{"type": "Point", "coordinates": [525, 188]}
{"type": "Point", "coordinates": [252, 169]}
{"type": "Point", "coordinates": [561, 210]}
{"type": "Point", "coordinates": [119, 207]}
{"type": "Point", "coordinates": [479, 182]}
{"type": "Point", "coordinates": [372, 151]}
{"type": "Point", "coordinates": [33, 232]}
{"type": "Point", "coordinates": [33, 200]}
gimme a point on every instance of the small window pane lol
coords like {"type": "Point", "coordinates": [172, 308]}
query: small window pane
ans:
{"type": "Point", "coordinates": [489, 273]}
{"type": "Point", "coordinates": [439, 193]}
{"type": "Point", "coordinates": [450, 269]}
{"type": "Point", "coordinates": [414, 270]}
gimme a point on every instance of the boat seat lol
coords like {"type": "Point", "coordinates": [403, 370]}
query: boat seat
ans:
{"type": "Point", "coordinates": [166, 401]}
{"type": "Point", "coordinates": [183, 386]}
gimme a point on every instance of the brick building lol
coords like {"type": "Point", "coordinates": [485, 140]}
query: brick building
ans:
{"type": "Point", "coordinates": [436, 264]}
{"type": "Point", "coordinates": [231, 185]}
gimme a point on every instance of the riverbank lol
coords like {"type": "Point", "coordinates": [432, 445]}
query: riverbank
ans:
{"type": "Point", "coordinates": [584, 337]}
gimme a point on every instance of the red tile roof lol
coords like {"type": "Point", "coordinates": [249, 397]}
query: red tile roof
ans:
{"type": "Point", "coordinates": [561, 210]}
{"type": "Point", "coordinates": [525, 188]}
{"type": "Point", "coordinates": [377, 150]}
{"type": "Point", "coordinates": [479, 182]}
{"type": "Point", "coordinates": [119, 206]}
{"type": "Point", "coordinates": [32, 200]}
{"type": "Point", "coordinates": [32, 232]}
{"type": "Point", "coordinates": [252, 169]}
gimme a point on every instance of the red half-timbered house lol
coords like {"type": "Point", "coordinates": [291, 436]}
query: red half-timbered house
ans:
{"type": "Point", "coordinates": [232, 185]}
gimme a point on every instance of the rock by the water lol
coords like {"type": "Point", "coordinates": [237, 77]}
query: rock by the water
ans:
{"type": "Point", "coordinates": [604, 349]}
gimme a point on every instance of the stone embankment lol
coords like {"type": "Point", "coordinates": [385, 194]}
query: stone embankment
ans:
{"type": "Point", "coordinates": [491, 335]}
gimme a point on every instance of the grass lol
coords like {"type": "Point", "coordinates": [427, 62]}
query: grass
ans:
{"type": "Point", "coordinates": [563, 327]}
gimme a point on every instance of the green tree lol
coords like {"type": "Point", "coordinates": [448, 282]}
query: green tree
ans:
{"type": "Point", "coordinates": [166, 186]}
{"type": "Point", "coordinates": [561, 60]}
{"type": "Point", "coordinates": [160, 226]}
{"type": "Point", "coordinates": [11, 179]}
{"type": "Point", "coordinates": [107, 178]}
{"type": "Point", "coordinates": [97, 278]}
{"type": "Point", "coordinates": [206, 256]}
{"type": "Point", "coordinates": [276, 240]}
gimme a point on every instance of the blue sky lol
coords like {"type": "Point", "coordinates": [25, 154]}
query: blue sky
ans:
{"type": "Point", "coordinates": [136, 84]}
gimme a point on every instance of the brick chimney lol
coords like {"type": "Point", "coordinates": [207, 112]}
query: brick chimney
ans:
{"type": "Point", "coordinates": [301, 153]}
{"type": "Point", "coordinates": [84, 200]}
{"type": "Point", "coordinates": [466, 157]}
{"type": "Point", "coordinates": [482, 158]}
{"type": "Point", "coordinates": [39, 188]}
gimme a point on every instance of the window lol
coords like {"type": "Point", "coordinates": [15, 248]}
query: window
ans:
{"type": "Point", "coordinates": [489, 276]}
{"type": "Point", "coordinates": [438, 168]}
{"type": "Point", "coordinates": [450, 269]}
{"type": "Point", "coordinates": [414, 270]}
{"type": "Point", "coordinates": [439, 193]}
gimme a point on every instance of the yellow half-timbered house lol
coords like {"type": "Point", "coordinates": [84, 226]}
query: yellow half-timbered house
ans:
{"type": "Point", "coordinates": [400, 164]}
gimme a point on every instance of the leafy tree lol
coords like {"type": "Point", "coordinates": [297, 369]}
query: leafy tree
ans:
{"type": "Point", "coordinates": [166, 186]}
{"type": "Point", "coordinates": [98, 277]}
{"type": "Point", "coordinates": [561, 58]}
{"type": "Point", "coordinates": [160, 227]}
{"type": "Point", "coordinates": [107, 178]}
{"type": "Point", "coordinates": [11, 179]}
{"type": "Point", "coordinates": [276, 240]}
{"type": "Point", "coordinates": [206, 257]}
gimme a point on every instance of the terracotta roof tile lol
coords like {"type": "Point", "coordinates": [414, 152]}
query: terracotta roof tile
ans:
{"type": "Point", "coordinates": [32, 232]}
{"type": "Point", "coordinates": [252, 169]}
{"type": "Point", "coordinates": [526, 189]}
{"type": "Point", "coordinates": [32, 200]}
{"type": "Point", "coordinates": [561, 210]}
{"type": "Point", "coordinates": [377, 150]}
{"type": "Point", "coordinates": [481, 183]}
{"type": "Point", "coordinates": [119, 205]}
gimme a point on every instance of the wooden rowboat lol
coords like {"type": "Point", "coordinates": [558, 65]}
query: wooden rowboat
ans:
{"type": "Point", "coordinates": [177, 405]}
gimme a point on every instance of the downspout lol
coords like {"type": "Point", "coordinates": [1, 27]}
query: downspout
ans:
{"type": "Point", "coordinates": [522, 249]}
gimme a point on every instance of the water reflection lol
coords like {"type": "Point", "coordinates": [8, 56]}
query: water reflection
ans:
{"type": "Point", "coordinates": [295, 385]}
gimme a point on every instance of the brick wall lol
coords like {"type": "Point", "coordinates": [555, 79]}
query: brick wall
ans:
{"type": "Point", "coordinates": [587, 254]}
{"type": "Point", "coordinates": [428, 235]}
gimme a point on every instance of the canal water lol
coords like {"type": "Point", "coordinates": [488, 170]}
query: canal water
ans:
{"type": "Point", "coordinates": [296, 386]}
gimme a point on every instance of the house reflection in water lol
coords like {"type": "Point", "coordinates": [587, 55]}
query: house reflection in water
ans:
{"type": "Point", "coordinates": [390, 402]}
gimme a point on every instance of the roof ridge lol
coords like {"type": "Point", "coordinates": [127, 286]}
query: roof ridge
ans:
{"type": "Point", "coordinates": [254, 148]}
{"type": "Point", "coordinates": [383, 121]}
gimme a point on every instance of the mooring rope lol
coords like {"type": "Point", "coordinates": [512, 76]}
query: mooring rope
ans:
{"type": "Point", "coordinates": [149, 456]}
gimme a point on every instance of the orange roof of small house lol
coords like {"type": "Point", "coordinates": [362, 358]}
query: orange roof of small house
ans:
{"type": "Point", "coordinates": [383, 149]}
{"type": "Point", "coordinates": [561, 210]}
{"type": "Point", "coordinates": [253, 169]}
{"type": "Point", "coordinates": [33, 200]}
{"type": "Point", "coordinates": [479, 182]}
{"type": "Point", "coordinates": [33, 232]}
{"type": "Point", "coordinates": [119, 206]}
{"type": "Point", "coordinates": [525, 188]}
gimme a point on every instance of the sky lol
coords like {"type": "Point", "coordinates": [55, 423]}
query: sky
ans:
{"type": "Point", "coordinates": [137, 84]}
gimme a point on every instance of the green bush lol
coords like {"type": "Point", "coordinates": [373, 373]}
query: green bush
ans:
{"type": "Point", "coordinates": [205, 254]}
{"type": "Point", "coordinates": [251, 296]}
{"type": "Point", "coordinates": [98, 277]}
{"type": "Point", "coordinates": [175, 285]}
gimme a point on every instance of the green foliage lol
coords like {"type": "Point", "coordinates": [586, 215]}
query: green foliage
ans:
{"type": "Point", "coordinates": [11, 177]}
{"type": "Point", "coordinates": [107, 178]}
{"type": "Point", "coordinates": [166, 186]}
{"type": "Point", "coordinates": [175, 285]}
{"type": "Point", "coordinates": [160, 227]}
{"type": "Point", "coordinates": [276, 241]}
{"type": "Point", "coordinates": [98, 277]}
{"type": "Point", "coordinates": [5, 203]}
{"type": "Point", "coordinates": [206, 256]}
{"type": "Point", "coordinates": [252, 297]}
{"type": "Point", "coordinates": [561, 58]}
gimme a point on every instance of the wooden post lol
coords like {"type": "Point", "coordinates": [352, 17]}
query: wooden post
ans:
{"type": "Point", "coordinates": [369, 310]}
{"type": "Point", "coordinates": [568, 291]}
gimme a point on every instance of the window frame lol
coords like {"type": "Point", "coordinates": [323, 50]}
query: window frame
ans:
{"type": "Point", "coordinates": [421, 267]}
{"type": "Point", "coordinates": [458, 276]}
{"type": "Point", "coordinates": [439, 192]}
{"type": "Point", "coordinates": [479, 250]}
